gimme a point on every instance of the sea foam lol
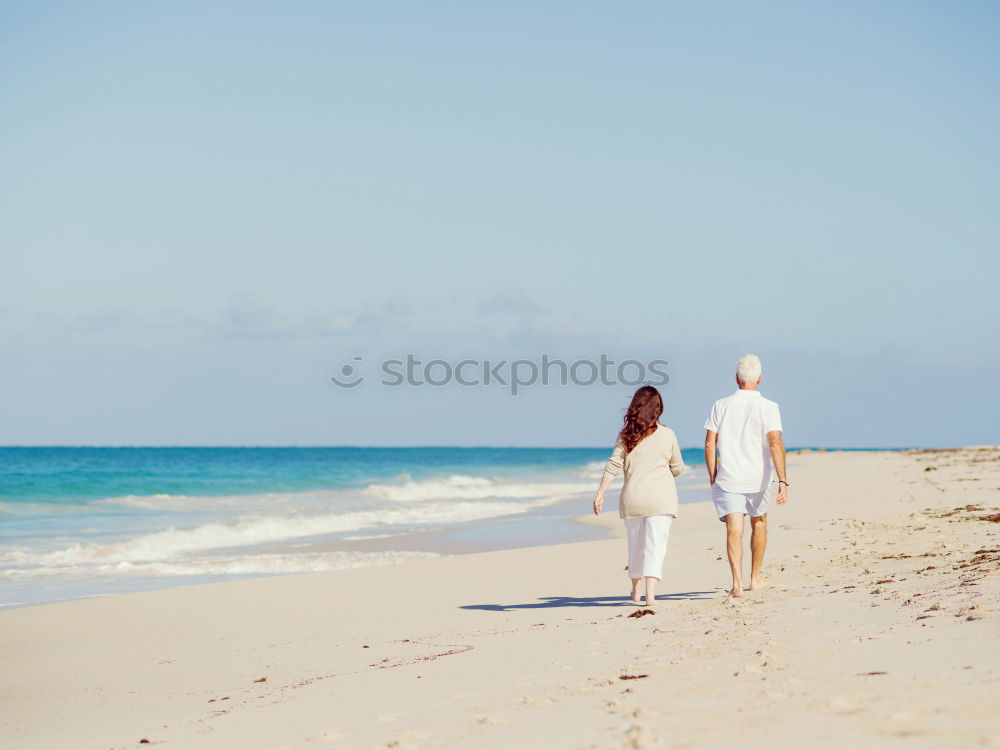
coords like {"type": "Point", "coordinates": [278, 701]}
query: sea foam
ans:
{"type": "Point", "coordinates": [462, 487]}
{"type": "Point", "coordinates": [249, 564]}
{"type": "Point", "coordinates": [233, 534]}
{"type": "Point", "coordinates": [164, 545]}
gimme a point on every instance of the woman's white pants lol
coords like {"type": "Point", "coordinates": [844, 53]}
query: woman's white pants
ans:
{"type": "Point", "coordinates": [647, 545]}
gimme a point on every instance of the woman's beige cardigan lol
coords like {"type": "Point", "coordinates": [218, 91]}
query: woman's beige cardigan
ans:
{"type": "Point", "coordinates": [650, 469]}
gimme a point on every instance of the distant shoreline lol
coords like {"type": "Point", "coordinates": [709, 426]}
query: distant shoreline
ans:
{"type": "Point", "coordinates": [147, 519]}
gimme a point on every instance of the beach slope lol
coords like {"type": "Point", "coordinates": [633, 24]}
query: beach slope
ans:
{"type": "Point", "coordinates": [881, 629]}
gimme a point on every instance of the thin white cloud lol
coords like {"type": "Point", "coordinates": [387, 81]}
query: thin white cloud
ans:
{"type": "Point", "coordinates": [511, 302]}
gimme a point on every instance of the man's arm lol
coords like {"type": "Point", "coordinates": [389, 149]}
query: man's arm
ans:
{"type": "Point", "coordinates": [778, 456]}
{"type": "Point", "coordinates": [711, 436]}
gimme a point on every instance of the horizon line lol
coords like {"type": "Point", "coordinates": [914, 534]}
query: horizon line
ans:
{"type": "Point", "coordinates": [447, 447]}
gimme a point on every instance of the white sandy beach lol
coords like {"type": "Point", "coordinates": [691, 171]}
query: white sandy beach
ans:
{"type": "Point", "coordinates": [881, 629]}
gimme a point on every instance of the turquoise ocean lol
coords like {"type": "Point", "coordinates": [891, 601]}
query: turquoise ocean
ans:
{"type": "Point", "coordinates": [91, 521]}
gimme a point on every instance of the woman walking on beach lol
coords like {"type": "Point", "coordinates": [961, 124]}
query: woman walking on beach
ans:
{"type": "Point", "coordinates": [648, 453]}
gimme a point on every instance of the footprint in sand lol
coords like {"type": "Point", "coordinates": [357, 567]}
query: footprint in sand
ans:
{"type": "Point", "coordinates": [406, 740]}
{"type": "Point", "coordinates": [638, 737]}
{"type": "Point", "coordinates": [391, 718]}
{"type": "Point", "coordinates": [841, 704]}
{"type": "Point", "coordinates": [330, 735]}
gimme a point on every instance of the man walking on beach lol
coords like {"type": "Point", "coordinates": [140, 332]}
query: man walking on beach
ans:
{"type": "Point", "coordinates": [746, 427]}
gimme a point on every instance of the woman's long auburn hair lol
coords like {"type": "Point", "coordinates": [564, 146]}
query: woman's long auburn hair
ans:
{"type": "Point", "coordinates": [641, 417]}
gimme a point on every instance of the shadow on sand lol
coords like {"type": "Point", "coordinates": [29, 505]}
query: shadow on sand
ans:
{"type": "Point", "coordinates": [547, 602]}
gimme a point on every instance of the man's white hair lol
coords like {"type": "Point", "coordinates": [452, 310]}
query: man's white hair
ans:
{"type": "Point", "coordinates": [748, 369]}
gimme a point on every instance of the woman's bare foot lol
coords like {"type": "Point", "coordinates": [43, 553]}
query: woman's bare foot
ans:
{"type": "Point", "coordinates": [736, 591]}
{"type": "Point", "coordinates": [760, 583]}
{"type": "Point", "coordinates": [651, 582]}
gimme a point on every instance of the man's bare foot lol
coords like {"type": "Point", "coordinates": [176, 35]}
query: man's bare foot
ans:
{"type": "Point", "coordinates": [736, 591]}
{"type": "Point", "coordinates": [635, 597]}
{"type": "Point", "coordinates": [760, 583]}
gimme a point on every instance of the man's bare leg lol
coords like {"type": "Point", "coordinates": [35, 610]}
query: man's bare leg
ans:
{"type": "Point", "coordinates": [758, 541]}
{"type": "Point", "coordinates": [734, 547]}
{"type": "Point", "coordinates": [635, 589]}
{"type": "Point", "coordinates": [651, 582]}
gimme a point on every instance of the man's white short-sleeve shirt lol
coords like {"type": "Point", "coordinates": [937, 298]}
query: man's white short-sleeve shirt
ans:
{"type": "Point", "coordinates": [743, 421]}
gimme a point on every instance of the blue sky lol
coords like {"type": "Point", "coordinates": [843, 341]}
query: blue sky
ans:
{"type": "Point", "coordinates": [207, 208]}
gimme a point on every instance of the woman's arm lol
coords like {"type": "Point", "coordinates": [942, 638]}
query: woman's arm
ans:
{"type": "Point", "coordinates": [599, 500]}
{"type": "Point", "coordinates": [611, 469]}
{"type": "Point", "coordinates": [676, 459]}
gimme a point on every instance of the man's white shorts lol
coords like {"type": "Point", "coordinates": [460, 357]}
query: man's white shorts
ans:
{"type": "Point", "coordinates": [751, 503]}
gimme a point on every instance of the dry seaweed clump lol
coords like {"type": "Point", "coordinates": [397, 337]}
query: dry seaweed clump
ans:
{"type": "Point", "coordinates": [969, 512]}
{"type": "Point", "coordinates": [642, 613]}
